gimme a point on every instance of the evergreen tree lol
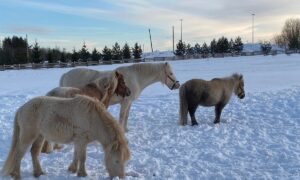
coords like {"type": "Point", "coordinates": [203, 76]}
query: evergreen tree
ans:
{"type": "Point", "coordinates": [238, 45]}
{"type": "Point", "coordinates": [49, 56]}
{"type": "Point", "coordinates": [180, 49]}
{"type": "Point", "coordinates": [36, 53]}
{"type": "Point", "coordinates": [205, 49]}
{"type": "Point", "coordinates": [222, 45]}
{"type": "Point", "coordinates": [266, 47]}
{"type": "Point", "coordinates": [96, 56]}
{"type": "Point", "coordinates": [137, 51]}
{"type": "Point", "coordinates": [106, 54]}
{"type": "Point", "coordinates": [14, 50]}
{"type": "Point", "coordinates": [75, 55]}
{"type": "Point", "coordinates": [63, 57]}
{"type": "Point", "coordinates": [231, 44]}
{"type": "Point", "coordinates": [56, 54]}
{"type": "Point", "coordinates": [213, 46]}
{"type": "Point", "coordinates": [116, 52]}
{"type": "Point", "coordinates": [189, 50]}
{"type": "Point", "coordinates": [197, 48]}
{"type": "Point", "coordinates": [84, 53]}
{"type": "Point", "coordinates": [126, 53]}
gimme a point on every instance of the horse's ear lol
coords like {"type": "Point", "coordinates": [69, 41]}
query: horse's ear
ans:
{"type": "Point", "coordinates": [166, 63]}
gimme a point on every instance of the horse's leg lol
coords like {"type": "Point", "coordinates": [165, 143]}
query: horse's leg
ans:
{"type": "Point", "coordinates": [24, 142]}
{"type": "Point", "coordinates": [192, 109]}
{"type": "Point", "coordinates": [47, 147]}
{"type": "Point", "coordinates": [35, 152]}
{"type": "Point", "coordinates": [126, 117]}
{"type": "Point", "coordinates": [74, 165]}
{"type": "Point", "coordinates": [124, 113]}
{"type": "Point", "coordinates": [81, 149]}
{"type": "Point", "coordinates": [218, 111]}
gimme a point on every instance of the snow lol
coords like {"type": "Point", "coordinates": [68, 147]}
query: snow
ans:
{"type": "Point", "coordinates": [258, 137]}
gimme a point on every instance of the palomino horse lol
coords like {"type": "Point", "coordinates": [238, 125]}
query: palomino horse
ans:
{"type": "Point", "coordinates": [137, 77]}
{"type": "Point", "coordinates": [216, 92]}
{"type": "Point", "coordinates": [80, 120]}
{"type": "Point", "coordinates": [102, 88]}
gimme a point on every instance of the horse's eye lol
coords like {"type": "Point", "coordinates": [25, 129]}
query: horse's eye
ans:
{"type": "Point", "coordinates": [171, 74]}
{"type": "Point", "coordinates": [117, 161]}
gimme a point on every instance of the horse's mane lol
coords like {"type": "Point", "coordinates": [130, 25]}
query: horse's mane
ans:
{"type": "Point", "coordinates": [110, 124]}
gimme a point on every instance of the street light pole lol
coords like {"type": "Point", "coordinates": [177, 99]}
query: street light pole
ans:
{"type": "Point", "coordinates": [253, 27]}
{"type": "Point", "coordinates": [181, 29]}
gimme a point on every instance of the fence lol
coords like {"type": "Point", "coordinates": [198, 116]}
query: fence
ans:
{"type": "Point", "coordinates": [101, 62]}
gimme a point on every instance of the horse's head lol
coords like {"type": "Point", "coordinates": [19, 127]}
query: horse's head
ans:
{"type": "Point", "coordinates": [239, 88]}
{"type": "Point", "coordinates": [116, 156]}
{"type": "Point", "coordinates": [170, 79]}
{"type": "Point", "coordinates": [121, 88]}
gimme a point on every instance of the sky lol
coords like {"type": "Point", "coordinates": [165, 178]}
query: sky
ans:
{"type": "Point", "coordinates": [70, 23]}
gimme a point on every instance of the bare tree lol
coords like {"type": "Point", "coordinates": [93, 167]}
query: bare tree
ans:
{"type": "Point", "coordinates": [290, 35]}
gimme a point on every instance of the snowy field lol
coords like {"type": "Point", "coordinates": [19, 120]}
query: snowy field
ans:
{"type": "Point", "coordinates": [258, 138]}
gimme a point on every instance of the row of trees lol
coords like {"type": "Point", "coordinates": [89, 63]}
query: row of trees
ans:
{"type": "Point", "coordinates": [290, 35]}
{"type": "Point", "coordinates": [16, 50]}
{"type": "Point", "coordinates": [222, 45]}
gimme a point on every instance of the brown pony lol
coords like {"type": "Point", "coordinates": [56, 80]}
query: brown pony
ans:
{"type": "Point", "coordinates": [216, 92]}
{"type": "Point", "coordinates": [102, 89]}
{"type": "Point", "coordinates": [78, 120]}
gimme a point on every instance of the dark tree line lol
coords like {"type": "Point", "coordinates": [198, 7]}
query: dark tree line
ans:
{"type": "Point", "coordinates": [16, 50]}
{"type": "Point", "coordinates": [222, 45]}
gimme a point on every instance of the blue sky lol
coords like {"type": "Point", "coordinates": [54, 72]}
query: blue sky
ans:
{"type": "Point", "coordinates": [69, 23]}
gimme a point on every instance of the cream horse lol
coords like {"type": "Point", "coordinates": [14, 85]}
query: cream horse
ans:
{"type": "Point", "coordinates": [80, 120]}
{"type": "Point", "coordinates": [102, 88]}
{"type": "Point", "coordinates": [137, 77]}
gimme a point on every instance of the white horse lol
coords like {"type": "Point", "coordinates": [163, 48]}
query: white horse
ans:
{"type": "Point", "coordinates": [137, 77]}
{"type": "Point", "coordinates": [80, 120]}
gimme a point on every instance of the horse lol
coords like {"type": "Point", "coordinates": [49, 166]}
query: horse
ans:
{"type": "Point", "coordinates": [137, 77]}
{"type": "Point", "coordinates": [216, 92]}
{"type": "Point", "coordinates": [102, 88]}
{"type": "Point", "coordinates": [80, 120]}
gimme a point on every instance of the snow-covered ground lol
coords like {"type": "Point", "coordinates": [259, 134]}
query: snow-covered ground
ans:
{"type": "Point", "coordinates": [258, 138]}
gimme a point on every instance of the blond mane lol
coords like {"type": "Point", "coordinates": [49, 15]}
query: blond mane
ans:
{"type": "Point", "coordinates": [116, 132]}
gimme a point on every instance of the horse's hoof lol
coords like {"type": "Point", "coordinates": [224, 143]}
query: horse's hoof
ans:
{"type": "Point", "coordinates": [216, 122]}
{"type": "Point", "coordinates": [15, 176]}
{"type": "Point", "coordinates": [81, 174]}
{"type": "Point", "coordinates": [72, 169]}
{"type": "Point", "coordinates": [194, 124]}
{"type": "Point", "coordinates": [38, 174]}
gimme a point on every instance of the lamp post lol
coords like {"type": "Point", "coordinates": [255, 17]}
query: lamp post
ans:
{"type": "Point", "coordinates": [253, 27]}
{"type": "Point", "coordinates": [181, 29]}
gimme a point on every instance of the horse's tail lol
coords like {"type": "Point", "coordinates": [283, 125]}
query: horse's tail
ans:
{"type": "Point", "coordinates": [183, 111]}
{"type": "Point", "coordinates": [10, 161]}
